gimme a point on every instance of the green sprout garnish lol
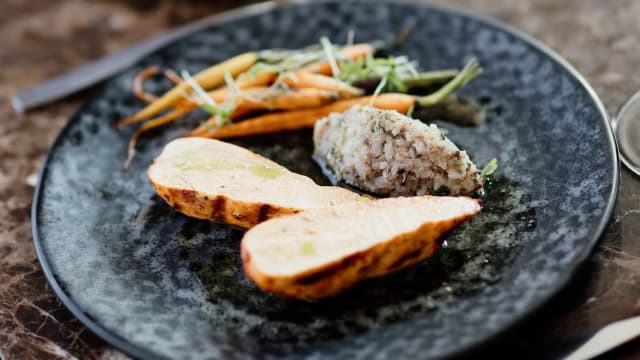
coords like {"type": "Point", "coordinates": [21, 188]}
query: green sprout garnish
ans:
{"type": "Point", "coordinates": [223, 111]}
{"type": "Point", "coordinates": [216, 110]}
{"type": "Point", "coordinates": [468, 73]}
{"type": "Point", "coordinates": [350, 37]}
{"type": "Point", "coordinates": [378, 90]}
{"type": "Point", "coordinates": [490, 168]}
{"type": "Point", "coordinates": [329, 51]}
{"type": "Point", "coordinates": [410, 111]}
{"type": "Point", "coordinates": [391, 70]}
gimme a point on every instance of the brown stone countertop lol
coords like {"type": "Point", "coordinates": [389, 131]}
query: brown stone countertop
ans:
{"type": "Point", "coordinates": [45, 38]}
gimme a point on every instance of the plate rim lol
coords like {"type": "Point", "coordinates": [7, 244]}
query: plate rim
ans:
{"type": "Point", "coordinates": [136, 351]}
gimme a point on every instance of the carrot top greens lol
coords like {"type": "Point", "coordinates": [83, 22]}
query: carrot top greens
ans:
{"type": "Point", "coordinates": [390, 70]}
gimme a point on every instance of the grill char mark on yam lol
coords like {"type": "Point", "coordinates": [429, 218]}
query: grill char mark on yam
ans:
{"type": "Point", "coordinates": [407, 257]}
{"type": "Point", "coordinates": [219, 204]}
{"type": "Point", "coordinates": [263, 213]}
{"type": "Point", "coordinates": [326, 272]}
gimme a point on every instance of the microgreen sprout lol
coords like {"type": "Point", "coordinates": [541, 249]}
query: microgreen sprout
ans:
{"type": "Point", "coordinates": [490, 168]}
{"type": "Point", "coordinates": [394, 69]}
{"type": "Point", "coordinates": [223, 111]}
{"type": "Point", "coordinates": [350, 37]}
{"type": "Point", "coordinates": [329, 51]}
{"type": "Point", "coordinates": [410, 111]}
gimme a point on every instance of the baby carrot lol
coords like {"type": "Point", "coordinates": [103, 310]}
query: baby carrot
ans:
{"type": "Point", "coordinates": [208, 78]}
{"type": "Point", "coordinates": [307, 79]}
{"type": "Point", "coordinates": [291, 100]}
{"type": "Point", "coordinates": [352, 52]}
{"type": "Point", "coordinates": [295, 98]}
{"type": "Point", "coordinates": [304, 118]}
{"type": "Point", "coordinates": [139, 79]}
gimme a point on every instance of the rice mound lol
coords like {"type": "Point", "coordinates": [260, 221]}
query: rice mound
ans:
{"type": "Point", "coordinates": [388, 153]}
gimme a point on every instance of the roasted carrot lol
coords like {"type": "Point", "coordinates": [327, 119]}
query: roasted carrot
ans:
{"type": "Point", "coordinates": [296, 98]}
{"type": "Point", "coordinates": [253, 99]}
{"type": "Point", "coordinates": [171, 75]}
{"type": "Point", "coordinates": [138, 91]}
{"type": "Point", "coordinates": [140, 94]}
{"type": "Point", "coordinates": [208, 78]}
{"type": "Point", "coordinates": [307, 79]}
{"type": "Point", "coordinates": [218, 95]}
{"type": "Point", "coordinates": [180, 108]}
{"type": "Point", "coordinates": [242, 82]}
{"type": "Point", "coordinates": [304, 118]}
{"type": "Point", "coordinates": [245, 81]}
{"type": "Point", "coordinates": [292, 100]}
{"type": "Point", "coordinates": [301, 79]}
{"type": "Point", "coordinates": [352, 52]}
{"type": "Point", "coordinates": [297, 79]}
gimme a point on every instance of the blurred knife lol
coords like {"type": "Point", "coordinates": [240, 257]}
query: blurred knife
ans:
{"type": "Point", "coordinates": [104, 68]}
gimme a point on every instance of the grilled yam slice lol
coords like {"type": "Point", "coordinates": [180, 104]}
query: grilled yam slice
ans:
{"type": "Point", "coordinates": [320, 252]}
{"type": "Point", "coordinates": [222, 182]}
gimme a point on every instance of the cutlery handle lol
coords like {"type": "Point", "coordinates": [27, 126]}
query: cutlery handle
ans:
{"type": "Point", "coordinates": [85, 76]}
{"type": "Point", "coordinates": [93, 73]}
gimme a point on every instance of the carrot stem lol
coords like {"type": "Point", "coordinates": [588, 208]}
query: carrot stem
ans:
{"type": "Point", "coordinates": [149, 125]}
{"type": "Point", "coordinates": [171, 75]}
{"type": "Point", "coordinates": [430, 78]}
{"type": "Point", "coordinates": [306, 78]}
{"type": "Point", "coordinates": [139, 79]}
{"type": "Point", "coordinates": [305, 118]}
{"type": "Point", "coordinates": [470, 71]}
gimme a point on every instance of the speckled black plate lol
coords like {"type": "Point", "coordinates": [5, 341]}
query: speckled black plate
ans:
{"type": "Point", "coordinates": [155, 283]}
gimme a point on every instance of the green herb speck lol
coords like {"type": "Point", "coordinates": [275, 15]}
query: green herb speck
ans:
{"type": "Point", "coordinates": [306, 248]}
{"type": "Point", "coordinates": [265, 172]}
{"type": "Point", "coordinates": [490, 168]}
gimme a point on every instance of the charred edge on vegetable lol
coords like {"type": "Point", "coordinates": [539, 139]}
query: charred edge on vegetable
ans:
{"type": "Point", "coordinates": [188, 194]}
{"type": "Point", "coordinates": [407, 257]}
{"type": "Point", "coordinates": [445, 235]}
{"type": "Point", "coordinates": [265, 212]}
{"type": "Point", "coordinates": [326, 272]}
{"type": "Point", "coordinates": [219, 203]}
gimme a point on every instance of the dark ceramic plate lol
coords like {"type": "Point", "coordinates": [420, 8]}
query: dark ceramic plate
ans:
{"type": "Point", "coordinates": [155, 283]}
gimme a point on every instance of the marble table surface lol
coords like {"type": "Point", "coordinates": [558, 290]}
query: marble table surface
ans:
{"type": "Point", "coordinates": [42, 39]}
